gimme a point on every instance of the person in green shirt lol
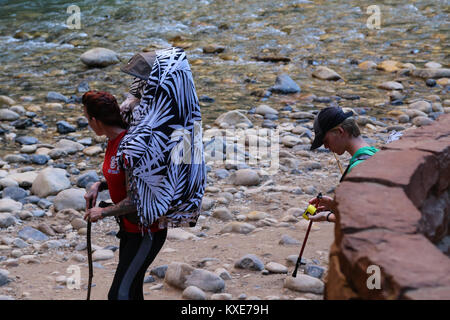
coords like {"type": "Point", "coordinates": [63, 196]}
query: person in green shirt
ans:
{"type": "Point", "coordinates": [339, 133]}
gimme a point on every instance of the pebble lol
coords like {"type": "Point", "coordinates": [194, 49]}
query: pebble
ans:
{"type": "Point", "coordinates": [389, 66]}
{"type": "Point", "coordinates": [69, 146]}
{"type": "Point", "coordinates": [15, 193]}
{"type": "Point", "coordinates": [86, 178]}
{"type": "Point", "coordinates": [52, 244]}
{"type": "Point", "coordinates": [221, 296]}
{"type": "Point", "coordinates": [287, 240]}
{"type": "Point", "coordinates": [223, 214]}
{"type": "Point", "coordinates": [249, 262]}
{"type": "Point", "coordinates": [40, 159]}
{"type": "Point", "coordinates": [8, 115]}
{"type": "Point", "coordinates": [99, 57]}
{"type": "Point", "coordinates": [422, 121]}
{"type": "Point", "coordinates": [365, 65]}
{"type": "Point", "coordinates": [180, 234]}
{"type": "Point", "coordinates": [159, 271]}
{"type": "Point", "coordinates": [193, 293]}
{"type": "Point", "coordinates": [423, 106]}
{"type": "Point", "coordinates": [290, 141]}
{"type": "Point", "coordinates": [391, 85]}
{"type": "Point", "coordinates": [30, 233]}
{"type": "Point", "coordinates": [207, 203]}
{"type": "Point", "coordinates": [238, 227]}
{"type": "Point", "coordinates": [102, 254]}
{"type": "Point", "coordinates": [265, 109]}
{"type": "Point", "coordinates": [245, 177]}
{"type": "Point", "coordinates": [304, 283]}
{"type": "Point", "coordinates": [6, 101]}
{"type": "Point", "coordinates": [56, 97]}
{"type": "Point", "coordinates": [325, 73]}
{"type": "Point", "coordinates": [212, 49]}
{"type": "Point", "coordinates": [6, 220]}
{"type": "Point", "coordinates": [10, 205]}
{"type": "Point", "coordinates": [93, 150]}
{"type": "Point", "coordinates": [314, 271]}
{"type": "Point", "coordinates": [285, 85]}
{"type": "Point", "coordinates": [26, 140]}
{"type": "Point", "coordinates": [223, 273]}
{"type": "Point", "coordinates": [256, 215]}
{"type": "Point", "coordinates": [4, 279]}
{"type": "Point", "coordinates": [78, 223]}
{"type": "Point", "coordinates": [430, 82]}
{"type": "Point", "coordinates": [28, 148]}
{"type": "Point", "coordinates": [274, 267]}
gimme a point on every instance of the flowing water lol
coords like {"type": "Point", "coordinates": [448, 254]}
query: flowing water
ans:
{"type": "Point", "coordinates": [39, 53]}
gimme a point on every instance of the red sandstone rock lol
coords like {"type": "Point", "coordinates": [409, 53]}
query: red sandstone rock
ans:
{"type": "Point", "coordinates": [415, 171]}
{"type": "Point", "coordinates": [375, 206]}
{"type": "Point", "coordinates": [411, 174]}
{"type": "Point", "coordinates": [406, 262]}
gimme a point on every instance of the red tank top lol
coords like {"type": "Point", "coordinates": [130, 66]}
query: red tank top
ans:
{"type": "Point", "coordinates": [115, 178]}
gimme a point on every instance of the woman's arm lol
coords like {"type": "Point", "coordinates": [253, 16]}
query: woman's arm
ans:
{"type": "Point", "coordinates": [124, 207]}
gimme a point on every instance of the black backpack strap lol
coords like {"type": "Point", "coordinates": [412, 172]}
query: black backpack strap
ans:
{"type": "Point", "coordinates": [361, 157]}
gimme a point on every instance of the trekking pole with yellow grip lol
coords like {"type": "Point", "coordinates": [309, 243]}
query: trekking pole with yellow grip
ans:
{"type": "Point", "coordinates": [310, 211]}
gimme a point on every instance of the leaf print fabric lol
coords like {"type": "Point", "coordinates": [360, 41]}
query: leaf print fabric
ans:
{"type": "Point", "coordinates": [163, 150]}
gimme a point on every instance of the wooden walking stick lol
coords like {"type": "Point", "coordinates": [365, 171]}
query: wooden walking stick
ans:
{"type": "Point", "coordinates": [89, 251]}
{"type": "Point", "coordinates": [310, 210]}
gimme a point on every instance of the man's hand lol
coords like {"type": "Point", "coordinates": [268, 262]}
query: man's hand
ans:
{"type": "Point", "coordinates": [323, 204]}
{"type": "Point", "coordinates": [322, 216]}
{"type": "Point", "coordinates": [94, 214]}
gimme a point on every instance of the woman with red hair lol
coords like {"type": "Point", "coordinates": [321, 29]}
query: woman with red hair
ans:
{"type": "Point", "coordinates": [138, 245]}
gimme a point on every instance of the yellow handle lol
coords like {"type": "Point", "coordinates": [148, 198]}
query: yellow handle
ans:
{"type": "Point", "coordinates": [311, 210]}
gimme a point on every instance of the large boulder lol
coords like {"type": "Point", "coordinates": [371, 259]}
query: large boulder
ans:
{"type": "Point", "coordinates": [50, 181]}
{"type": "Point", "coordinates": [70, 199]}
{"type": "Point", "coordinates": [182, 275]}
{"type": "Point", "coordinates": [245, 177]}
{"type": "Point", "coordinates": [99, 57]}
{"type": "Point", "coordinates": [69, 146]}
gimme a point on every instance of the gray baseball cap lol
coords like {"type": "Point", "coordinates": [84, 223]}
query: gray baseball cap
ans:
{"type": "Point", "coordinates": [140, 65]}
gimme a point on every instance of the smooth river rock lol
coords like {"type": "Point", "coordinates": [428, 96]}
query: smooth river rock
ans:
{"type": "Point", "coordinates": [50, 181]}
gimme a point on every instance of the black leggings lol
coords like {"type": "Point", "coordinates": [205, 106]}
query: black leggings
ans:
{"type": "Point", "coordinates": [136, 253]}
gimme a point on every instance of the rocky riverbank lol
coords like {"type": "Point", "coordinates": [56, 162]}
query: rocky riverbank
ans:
{"type": "Point", "coordinates": [250, 231]}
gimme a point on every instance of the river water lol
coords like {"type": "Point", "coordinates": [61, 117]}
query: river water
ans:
{"type": "Point", "coordinates": [39, 53]}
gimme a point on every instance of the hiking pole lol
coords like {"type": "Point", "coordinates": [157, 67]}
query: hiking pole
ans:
{"type": "Point", "coordinates": [89, 251]}
{"type": "Point", "coordinates": [310, 210]}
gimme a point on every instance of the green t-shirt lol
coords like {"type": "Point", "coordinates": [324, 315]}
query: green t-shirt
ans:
{"type": "Point", "coordinates": [370, 151]}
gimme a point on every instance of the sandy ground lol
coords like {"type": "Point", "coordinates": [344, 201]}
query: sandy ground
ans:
{"type": "Point", "coordinates": [37, 280]}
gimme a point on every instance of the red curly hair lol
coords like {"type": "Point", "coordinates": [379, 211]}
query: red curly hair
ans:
{"type": "Point", "coordinates": [103, 106]}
